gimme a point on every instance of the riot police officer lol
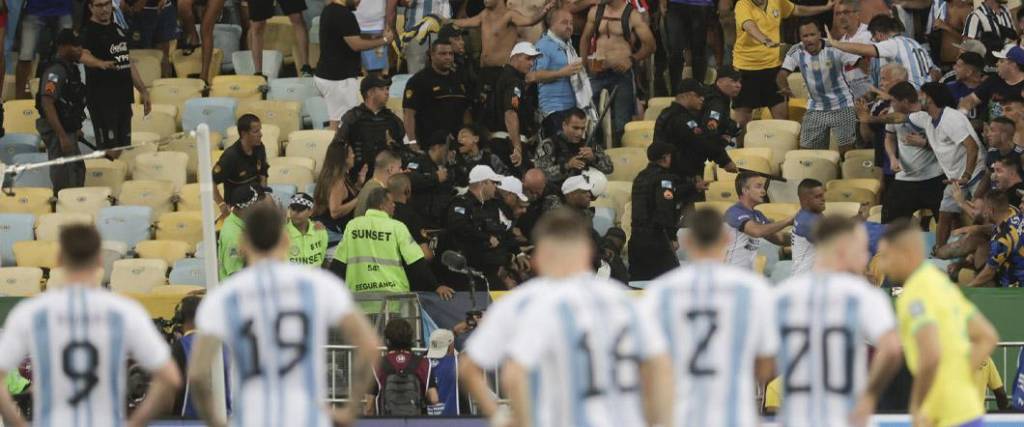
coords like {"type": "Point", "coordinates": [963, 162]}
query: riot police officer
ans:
{"type": "Point", "coordinates": [371, 127]}
{"type": "Point", "coordinates": [656, 212]}
{"type": "Point", "coordinates": [474, 226]}
{"type": "Point", "coordinates": [61, 105]}
{"type": "Point", "coordinates": [718, 106]}
{"type": "Point", "coordinates": [432, 189]}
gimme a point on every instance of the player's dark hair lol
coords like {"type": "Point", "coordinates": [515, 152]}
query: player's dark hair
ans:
{"type": "Point", "coordinates": [574, 112]}
{"type": "Point", "coordinates": [898, 228]}
{"type": "Point", "coordinates": [399, 184]}
{"type": "Point", "coordinates": [705, 227]}
{"type": "Point", "coordinates": [808, 184]}
{"type": "Point", "coordinates": [80, 246]}
{"type": "Point", "coordinates": [264, 227]}
{"type": "Point", "coordinates": [245, 122]}
{"type": "Point", "coordinates": [398, 335]}
{"type": "Point", "coordinates": [939, 94]}
{"type": "Point", "coordinates": [832, 226]}
{"type": "Point", "coordinates": [809, 21]}
{"type": "Point", "coordinates": [997, 199]}
{"type": "Point", "coordinates": [563, 224]}
{"type": "Point", "coordinates": [384, 160]}
{"type": "Point", "coordinates": [903, 91]}
{"type": "Point", "coordinates": [1004, 121]}
{"type": "Point", "coordinates": [439, 42]}
{"type": "Point", "coordinates": [1012, 162]}
{"type": "Point", "coordinates": [884, 24]}
{"type": "Point", "coordinates": [741, 181]}
{"type": "Point", "coordinates": [377, 198]}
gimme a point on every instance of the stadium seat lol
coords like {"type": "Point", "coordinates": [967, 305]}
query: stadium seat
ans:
{"type": "Point", "coordinates": [798, 86]}
{"type": "Point", "coordinates": [184, 142]}
{"type": "Point", "coordinates": [162, 166]}
{"type": "Point", "coordinates": [293, 161]}
{"type": "Point", "coordinates": [105, 173]}
{"type": "Point", "coordinates": [151, 53]}
{"type": "Point", "coordinates": [282, 193]}
{"type": "Point", "coordinates": [58, 278]}
{"type": "Point", "coordinates": [87, 200]}
{"type": "Point", "coordinates": [20, 116]}
{"type": "Point", "coordinates": [875, 214]}
{"type": "Point", "coordinates": [239, 87]}
{"type": "Point", "coordinates": [865, 153]}
{"type": "Point", "coordinates": [832, 156]}
{"type": "Point", "coordinates": [168, 109]}
{"type": "Point", "coordinates": [718, 206]}
{"type": "Point", "coordinates": [187, 65]}
{"type": "Point", "coordinates": [36, 201]}
{"type": "Point", "coordinates": [316, 107]}
{"type": "Point", "coordinates": [199, 251]}
{"type": "Point", "coordinates": [395, 105]}
{"type": "Point", "coordinates": [286, 115]}
{"type": "Point", "coordinates": [187, 84]}
{"type": "Point", "coordinates": [297, 89]}
{"type": "Point", "coordinates": [227, 37]}
{"type": "Point", "coordinates": [168, 250]}
{"type": "Point", "coordinates": [175, 92]}
{"type": "Point", "coordinates": [159, 123]}
{"type": "Point", "coordinates": [628, 161]}
{"type": "Point", "coordinates": [858, 167]}
{"type": "Point", "coordinates": [188, 271]}
{"type": "Point", "coordinates": [184, 226]}
{"type": "Point", "coordinates": [709, 76]}
{"type": "Point", "coordinates": [17, 143]}
{"type": "Point", "coordinates": [724, 191]}
{"type": "Point", "coordinates": [656, 105]}
{"type": "Point", "coordinates": [20, 281]}
{"type": "Point", "coordinates": [138, 275]}
{"type": "Point", "coordinates": [48, 226]}
{"type": "Point", "coordinates": [620, 193]}
{"type": "Point", "coordinates": [157, 195]}
{"type": "Point", "coordinates": [638, 134]}
{"type": "Point", "coordinates": [188, 198]}
{"type": "Point", "coordinates": [35, 177]}
{"type": "Point", "coordinates": [780, 136]}
{"type": "Point", "coordinates": [176, 292]}
{"type": "Point", "coordinates": [797, 170]}
{"type": "Point", "coordinates": [149, 67]}
{"type": "Point", "coordinates": [311, 144]}
{"type": "Point", "coordinates": [280, 36]}
{"type": "Point", "coordinates": [753, 163]}
{"type": "Point", "coordinates": [778, 211]}
{"type": "Point", "coordinates": [127, 224]}
{"type": "Point", "coordinates": [846, 209]}
{"type": "Point", "coordinates": [311, 188]}
{"type": "Point", "coordinates": [852, 194]}
{"type": "Point", "coordinates": [36, 253]}
{"type": "Point", "coordinates": [290, 174]}
{"type": "Point", "coordinates": [144, 142]}
{"type": "Point", "coordinates": [14, 227]}
{"type": "Point", "coordinates": [870, 184]}
{"type": "Point", "coordinates": [217, 112]}
{"type": "Point", "coordinates": [604, 218]}
{"type": "Point", "coordinates": [243, 63]}
{"type": "Point", "coordinates": [271, 138]}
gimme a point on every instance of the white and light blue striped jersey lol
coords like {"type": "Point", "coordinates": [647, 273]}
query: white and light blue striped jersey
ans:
{"type": "Point", "coordinates": [907, 52]}
{"type": "Point", "coordinates": [489, 345]}
{"type": "Point", "coordinates": [743, 248]}
{"type": "Point", "coordinates": [825, 75]}
{"type": "Point", "coordinates": [825, 321]}
{"type": "Point", "coordinates": [417, 9]}
{"type": "Point", "coordinates": [716, 319]}
{"type": "Point", "coordinates": [939, 10]}
{"type": "Point", "coordinates": [588, 338]}
{"type": "Point", "coordinates": [275, 317]}
{"type": "Point", "coordinates": [803, 248]}
{"type": "Point", "coordinates": [79, 339]}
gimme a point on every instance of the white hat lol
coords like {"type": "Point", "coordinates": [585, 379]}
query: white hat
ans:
{"type": "Point", "coordinates": [525, 48]}
{"type": "Point", "coordinates": [514, 186]}
{"type": "Point", "coordinates": [597, 179]}
{"type": "Point", "coordinates": [483, 173]}
{"type": "Point", "coordinates": [576, 183]}
{"type": "Point", "coordinates": [440, 340]}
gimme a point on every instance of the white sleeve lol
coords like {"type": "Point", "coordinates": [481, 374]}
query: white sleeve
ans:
{"type": "Point", "coordinates": [650, 336]}
{"type": "Point", "coordinates": [767, 341]}
{"type": "Point", "coordinates": [144, 342]}
{"type": "Point", "coordinates": [890, 128]}
{"type": "Point", "coordinates": [876, 313]}
{"type": "Point", "coordinates": [210, 316]}
{"type": "Point", "coordinates": [845, 57]}
{"type": "Point", "coordinates": [535, 334]}
{"type": "Point", "coordinates": [15, 338]}
{"type": "Point", "coordinates": [888, 49]}
{"type": "Point", "coordinates": [790, 62]}
{"type": "Point", "coordinates": [333, 297]}
{"type": "Point", "coordinates": [488, 343]}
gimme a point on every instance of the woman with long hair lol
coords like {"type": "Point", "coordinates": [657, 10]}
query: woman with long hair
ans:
{"type": "Point", "coordinates": [334, 200]}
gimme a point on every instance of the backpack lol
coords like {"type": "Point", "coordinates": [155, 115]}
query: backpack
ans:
{"type": "Point", "coordinates": [403, 392]}
{"type": "Point", "coordinates": [627, 32]}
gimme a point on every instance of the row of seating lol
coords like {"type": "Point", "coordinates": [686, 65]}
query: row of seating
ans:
{"type": "Point", "coordinates": [140, 276]}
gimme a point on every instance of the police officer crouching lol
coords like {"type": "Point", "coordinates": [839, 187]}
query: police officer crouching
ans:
{"type": "Point", "coordinates": [473, 226]}
{"type": "Point", "coordinates": [656, 211]}
{"type": "Point", "coordinates": [61, 105]}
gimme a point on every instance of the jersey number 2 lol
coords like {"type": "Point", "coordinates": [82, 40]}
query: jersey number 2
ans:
{"type": "Point", "coordinates": [299, 345]}
{"type": "Point", "coordinates": [79, 360]}
{"type": "Point", "coordinates": [711, 316]}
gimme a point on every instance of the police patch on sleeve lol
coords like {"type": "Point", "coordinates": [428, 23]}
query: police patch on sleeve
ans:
{"type": "Point", "coordinates": [460, 210]}
{"type": "Point", "coordinates": [665, 183]}
{"type": "Point", "coordinates": [413, 165]}
{"type": "Point", "coordinates": [714, 115]}
{"type": "Point", "coordinates": [691, 124]}
{"type": "Point", "coordinates": [408, 94]}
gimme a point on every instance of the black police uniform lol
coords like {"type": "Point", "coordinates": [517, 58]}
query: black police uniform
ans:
{"type": "Point", "coordinates": [460, 165]}
{"type": "Point", "coordinates": [656, 211]}
{"type": "Point", "coordinates": [235, 168]}
{"type": "Point", "coordinates": [110, 93]}
{"type": "Point", "coordinates": [440, 102]}
{"type": "Point", "coordinates": [717, 119]}
{"type": "Point", "coordinates": [62, 82]}
{"type": "Point", "coordinates": [694, 145]}
{"type": "Point", "coordinates": [510, 93]}
{"type": "Point", "coordinates": [430, 197]}
{"type": "Point", "coordinates": [369, 133]}
{"type": "Point", "coordinates": [470, 224]}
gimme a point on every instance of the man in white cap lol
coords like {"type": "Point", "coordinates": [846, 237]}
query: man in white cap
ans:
{"type": "Point", "coordinates": [513, 201]}
{"type": "Point", "coordinates": [510, 110]}
{"type": "Point", "coordinates": [576, 191]}
{"type": "Point", "coordinates": [474, 229]}
{"type": "Point", "coordinates": [444, 366]}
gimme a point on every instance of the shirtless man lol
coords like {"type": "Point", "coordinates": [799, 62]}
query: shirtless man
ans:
{"type": "Point", "coordinates": [612, 65]}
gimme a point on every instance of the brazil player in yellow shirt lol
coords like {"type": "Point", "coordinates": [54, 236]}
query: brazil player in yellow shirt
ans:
{"type": "Point", "coordinates": [945, 338]}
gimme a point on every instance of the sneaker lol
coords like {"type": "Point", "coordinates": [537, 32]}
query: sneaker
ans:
{"type": "Point", "coordinates": [307, 71]}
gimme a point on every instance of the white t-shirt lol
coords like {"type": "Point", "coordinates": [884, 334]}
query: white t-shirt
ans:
{"type": "Point", "coordinates": [717, 319]}
{"type": "Point", "coordinates": [918, 163]}
{"type": "Point", "coordinates": [79, 339]}
{"type": "Point", "coordinates": [370, 15]}
{"type": "Point", "coordinates": [825, 321]}
{"type": "Point", "coordinates": [274, 317]}
{"type": "Point", "coordinates": [587, 337]}
{"type": "Point", "coordinates": [858, 80]}
{"type": "Point", "coordinates": [489, 345]}
{"type": "Point", "coordinates": [946, 140]}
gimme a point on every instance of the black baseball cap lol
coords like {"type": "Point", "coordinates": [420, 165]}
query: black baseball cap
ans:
{"type": "Point", "coordinates": [67, 37]}
{"type": "Point", "coordinates": [372, 81]}
{"type": "Point", "coordinates": [450, 30]}
{"type": "Point", "coordinates": [690, 85]}
{"type": "Point", "coordinates": [974, 60]}
{"type": "Point", "coordinates": [728, 72]}
{"type": "Point", "coordinates": [657, 150]}
{"type": "Point", "coordinates": [300, 202]}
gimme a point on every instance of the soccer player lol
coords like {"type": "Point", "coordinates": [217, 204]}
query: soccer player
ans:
{"type": "Point", "coordinates": [275, 318]}
{"type": "Point", "coordinates": [720, 322]}
{"type": "Point", "coordinates": [79, 338]}
{"type": "Point", "coordinates": [748, 225]}
{"type": "Point", "coordinates": [600, 360]}
{"type": "Point", "coordinates": [945, 338]}
{"type": "Point", "coordinates": [826, 318]}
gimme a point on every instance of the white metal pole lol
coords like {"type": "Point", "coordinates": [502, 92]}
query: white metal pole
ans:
{"type": "Point", "coordinates": [210, 214]}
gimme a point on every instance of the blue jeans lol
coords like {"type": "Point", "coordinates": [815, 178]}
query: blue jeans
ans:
{"type": "Point", "coordinates": [623, 105]}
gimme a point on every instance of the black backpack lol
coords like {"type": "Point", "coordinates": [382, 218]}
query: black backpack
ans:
{"type": "Point", "coordinates": [402, 391]}
{"type": "Point", "coordinates": [627, 31]}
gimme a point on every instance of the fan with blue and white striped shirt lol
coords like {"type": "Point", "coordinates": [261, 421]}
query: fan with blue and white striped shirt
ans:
{"type": "Point", "coordinates": [824, 73]}
{"type": "Point", "coordinates": [906, 52]}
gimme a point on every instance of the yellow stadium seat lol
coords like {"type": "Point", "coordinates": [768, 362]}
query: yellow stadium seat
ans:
{"type": "Point", "coordinates": [181, 82]}
{"type": "Point", "coordinates": [723, 191]}
{"type": "Point", "coordinates": [188, 198]}
{"type": "Point", "coordinates": [144, 142]}
{"type": "Point", "coordinates": [311, 144]}
{"type": "Point", "coordinates": [158, 123]}
{"type": "Point", "coordinates": [238, 87]}
{"type": "Point", "coordinates": [875, 214]}
{"type": "Point", "coordinates": [638, 134]}
{"type": "Point", "coordinates": [620, 193]}
{"type": "Point", "coordinates": [798, 86]}
{"type": "Point", "coordinates": [177, 291]}
{"type": "Point", "coordinates": [149, 68]}
{"type": "Point", "coordinates": [778, 211]}
{"type": "Point", "coordinates": [859, 167]}
{"type": "Point", "coordinates": [628, 161]}
{"type": "Point", "coordinates": [58, 278]}
{"type": "Point", "coordinates": [36, 253]}
{"type": "Point", "coordinates": [832, 156]}
{"type": "Point", "coordinates": [797, 170]}
{"type": "Point", "coordinates": [162, 166]}
{"type": "Point", "coordinates": [293, 161]}
{"type": "Point", "coordinates": [20, 116]}
{"type": "Point", "coordinates": [138, 275]}
{"type": "Point", "coordinates": [271, 138]}
{"type": "Point", "coordinates": [105, 173]}
{"type": "Point", "coordinates": [184, 142]}
{"type": "Point", "coordinates": [48, 226]}
{"type": "Point", "coordinates": [754, 163]}
{"type": "Point", "coordinates": [286, 115]}
{"type": "Point", "coordinates": [175, 92]}
{"type": "Point", "coordinates": [870, 184]}
{"type": "Point", "coordinates": [718, 206]}
{"type": "Point", "coordinates": [865, 153]}
{"type": "Point", "coordinates": [280, 36]}
{"type": "Point", "coordinates": [846, 209]}
{"type": "Point", "coordinates": [168, 250]}
{"type": "Point", "coordinates": [168, 109]}
{"type": "Point", "coordinates": [395, 105]}
{"type": "Point", "coordinates": [656, 105]}
{"type": "Point", "coordinates": [298, 176]}
{"type": "Point", "coordinates": [186, 65]}
{"type": "Point", "coordinates": [852, 194]}
{"type": "Point", "coordinates": [780, 136]}
{"type": "Point", "coordinates": [20, 281]}
{"type": "Point", "coordinates": [184, 226]}
{"type": "Point", "coordinates": [33, 200]}
{"type": "Point", "coordinates": [152, 53]}
{"type": "Point", "coordinates": [84, 199]}
{"type": "Point", "coordinates": [158, 195]}
{"type": "Point", "coordinates": [797, 109]}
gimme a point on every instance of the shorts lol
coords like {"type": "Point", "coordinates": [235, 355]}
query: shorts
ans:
{"type": "Point", "coordinates": [903, 198]}
{"type": "Point", "coordinates": [112, 126]}
{"type": "Point", "coordinates": [375, 59]}
{"type": "Point", "coordinates": [949, 204]}
{"type": "Point", "coordinates": [262, 10]}
{"type": "Point", "coordinates": [814, 132]}
{"type": "Point", "coordinates": [33, 28]}
{"type": "Point", "coordinates": [339, 95]}
{"type": "Point", "coordinates": [759, 89]}
{"type": "Point", "coordinates": [152, 27]}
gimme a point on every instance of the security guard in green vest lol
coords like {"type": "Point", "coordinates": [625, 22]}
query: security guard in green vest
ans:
{"type": "Point", "coordinates": [241, 200]}
{"type": "Point", "coordinates": [378, 254]}
{"type": "Point", "coordinates": [307, 239]}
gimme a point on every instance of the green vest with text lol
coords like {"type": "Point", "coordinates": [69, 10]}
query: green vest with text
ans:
{"type": "Point", "coordinates": [309, 248]}
{"type": "Point", "coordinates": [228, 254]}
{"type": "Point", "coordinates": [375, 250]}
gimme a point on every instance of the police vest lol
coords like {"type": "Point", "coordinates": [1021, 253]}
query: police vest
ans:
{"type": "Point", "coordinates": [375, 250]}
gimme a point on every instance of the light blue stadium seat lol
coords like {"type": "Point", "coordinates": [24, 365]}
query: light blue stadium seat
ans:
{"type": "Point", "coordinates": [35, 177]}
{"type": "Point", "coordinates": [312, 17]}
{"type": "Point", "coordinates": [226, 38]}
{"type": "Point", "coordinates": [294, 89]}
{"type": "Point", "coordinates": [126, 224]}
{"type": "Point", "coordinates": [604, 218]}
{"type": "Point", "coordinates": [397, 89]}
{"type": "Point", "coordinates": [17, 143]}
{"type": "Point", "coordinates": [311, 188]}
{"type": "Point", "coordinates": [272, 59]}
{"type": "Point", "coordinates": [317, 110]}
{"type": "Point", "coordinates": [283, 193]}
{"type": "Point", "coordinates": [781, 271]}
{"type": "Point", "coordinates": [14, 227]}
{"type": "Point", "coordinates": [188, 271]}
{"type": "Point", "coordinates": [217, 112]}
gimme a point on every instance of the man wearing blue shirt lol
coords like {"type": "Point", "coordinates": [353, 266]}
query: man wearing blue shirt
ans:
{"type": "Point", "coordinates": [554, 69]}
{"type": "Point", "coordinates": [749, 226]}
{"type": "Point", "coordinates": [812, 205]}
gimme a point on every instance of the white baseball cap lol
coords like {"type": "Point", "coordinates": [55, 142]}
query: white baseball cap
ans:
{"type": "Point", "coordinates": [440, 340]}
{"type": "Point", "coordinates": [525, 48]}
{"type": "Point", "coordinates": [481, 173]}
{"type": "Point", "coordinates": [576, 183]}
{"type": "Point", "coordinates": [513, 185]}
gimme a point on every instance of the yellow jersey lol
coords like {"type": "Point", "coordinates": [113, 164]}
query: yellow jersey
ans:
{"type": "Point", "coordinates": [750, 54]}
{"type": "Point", "coordinates": [929, 298]}
{"type": "Point", "coordinates": [986, 378]}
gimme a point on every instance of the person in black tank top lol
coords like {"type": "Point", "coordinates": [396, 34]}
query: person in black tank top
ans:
{"type": "Point", "coordinates": [335, 172]}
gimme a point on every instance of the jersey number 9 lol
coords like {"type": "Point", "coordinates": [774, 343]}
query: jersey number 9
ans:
{"type": "Point", "coordinates": [297, 343]}
{"type": "Point", "coordinates": [79, 360]}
